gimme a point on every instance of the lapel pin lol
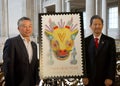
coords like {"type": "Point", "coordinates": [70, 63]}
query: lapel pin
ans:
{"type": "Point", "coordinates": [102, 42]}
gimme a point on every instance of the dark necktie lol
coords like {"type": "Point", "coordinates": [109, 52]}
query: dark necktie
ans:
{"type": "Point", "coordinates": [96, 42]}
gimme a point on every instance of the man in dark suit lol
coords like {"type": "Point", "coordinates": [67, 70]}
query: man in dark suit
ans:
{"type": "Point", "coordinates": [20, 62]}
{"type": "Point", "coordinates": [100, 56]}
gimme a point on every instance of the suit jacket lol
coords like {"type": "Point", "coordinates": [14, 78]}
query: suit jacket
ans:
{"type": "Point", "coordinates": [17, 69]}
{"type": "Point", "coordinates": [100, 62]}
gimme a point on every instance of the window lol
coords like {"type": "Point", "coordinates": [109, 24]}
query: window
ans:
{"type": "Point", "coordinates": [113, 17]}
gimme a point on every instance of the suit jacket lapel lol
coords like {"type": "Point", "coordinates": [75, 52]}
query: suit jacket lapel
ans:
{"type": "Point", "coordinates": [22, 46]}
{"type": "Point", "coordinates": [101, 44]}
{"type": "Point", "coordinates": [91, 49]}
{"type": "Point", "coordinates": [34, 51]}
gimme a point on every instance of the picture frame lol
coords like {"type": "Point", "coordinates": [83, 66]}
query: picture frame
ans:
{"type": "Point", "coordinates": [61, 45]}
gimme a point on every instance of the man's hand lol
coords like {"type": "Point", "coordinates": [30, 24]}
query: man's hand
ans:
{"type": "Point", "coordinates": [85, 81]}
{"type": "Point", "coordinates": [108, 82]}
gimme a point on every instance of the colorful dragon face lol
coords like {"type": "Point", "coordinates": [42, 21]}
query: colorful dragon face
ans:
{"type": "Point", "coordinates": [61, 39]}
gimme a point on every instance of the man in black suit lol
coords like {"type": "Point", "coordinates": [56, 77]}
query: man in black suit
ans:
{"type": "Point", "coordinates": [20, 62]}
{"type": "Point", "coordinates": [101, 57]}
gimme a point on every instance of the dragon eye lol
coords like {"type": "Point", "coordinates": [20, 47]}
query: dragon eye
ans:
{"type": "Point", "coordinates": [55, 44]}
{"type": "Point", "coordinates": [69, 43]}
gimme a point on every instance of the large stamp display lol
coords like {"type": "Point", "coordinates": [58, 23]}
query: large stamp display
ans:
{"type": "Point", "coordinates": [61, 45]}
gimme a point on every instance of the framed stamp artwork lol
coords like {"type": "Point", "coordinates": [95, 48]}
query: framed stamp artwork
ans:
{"type": "Point", "coordinates": [61, 45]}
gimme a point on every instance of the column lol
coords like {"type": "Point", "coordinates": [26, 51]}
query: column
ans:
{"type": "Point", "coordinates": [32, 12]}
{"type": "Point", "coordinates": [63, 5]}
{"type": "Point", "coordinates": [98, 7]}
{"type": "Point", "coordinates": [67, 5]}
{"type": "Point", "coordinates": [29, 8]}
{"type": "Point", "coordinates": [41, 6]}
{"type": "Point", "coordinates": [104, 4]}
{"type": "Point", "coordinates": [4, 30]}
{"type": "Point", "coordinates": [96, 11]}
{"type": "Point", "coordinates": [58, 6]}
{"type": "Point", "coordinates": [90, 11]}
{"type": "Point", "coordinates": [4, 19]}
{"type": "Point", "coordinates": [0, 17]}
{"type": "Point", "coordinates": [35, 29]}
{"type": "Point", "coordinates": [119, 17]}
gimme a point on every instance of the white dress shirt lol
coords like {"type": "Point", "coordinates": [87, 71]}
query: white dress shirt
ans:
{"type": "Point", "coordinates": [28, 48]}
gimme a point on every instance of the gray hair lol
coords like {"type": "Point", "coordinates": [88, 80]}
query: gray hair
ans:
{"type": "Point", "coordinates": [22, 19]}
